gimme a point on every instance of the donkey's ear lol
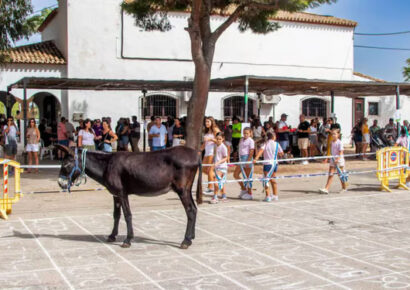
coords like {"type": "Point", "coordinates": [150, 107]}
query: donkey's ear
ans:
{"type": "Point", "coordinates": [64, 149]}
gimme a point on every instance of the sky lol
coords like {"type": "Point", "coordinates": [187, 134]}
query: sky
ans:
{"type": "Point", "coordinates": [373, 16]}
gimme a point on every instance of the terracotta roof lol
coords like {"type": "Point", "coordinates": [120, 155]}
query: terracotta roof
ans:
{"type": "Point", "coordinates": [369, 77]}
{"type": "Point", "coordinates": [313, 18]}
{"type": "Point", "coordinates": [37, 53]}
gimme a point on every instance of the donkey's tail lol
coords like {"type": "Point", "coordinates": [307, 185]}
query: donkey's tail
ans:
{"type": "Point", "coordinates": [199, 183]}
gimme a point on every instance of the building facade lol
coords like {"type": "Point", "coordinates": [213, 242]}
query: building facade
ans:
{"type": "Point", "coordinates": [112, 47]}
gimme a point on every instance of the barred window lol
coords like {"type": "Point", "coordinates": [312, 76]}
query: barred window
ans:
{"type": "Point", "coordinates": [235, 106]}
{"type": "Point", "coordinates": [314, 107]}
{"type": "Point", "coordinates": [373, 108]}
{"type": "Point", "coordinates": [160, 105]}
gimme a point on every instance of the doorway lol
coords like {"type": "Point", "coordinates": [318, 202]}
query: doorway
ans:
{"type": "Point", "coordinates": [358, 105]}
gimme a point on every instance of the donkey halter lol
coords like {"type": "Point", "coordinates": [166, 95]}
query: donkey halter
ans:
{"type": "Point", "coordinates": [77, 168]}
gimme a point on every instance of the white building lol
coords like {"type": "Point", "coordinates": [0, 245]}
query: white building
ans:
{"type": "Point", "coordinates": [95, 39]}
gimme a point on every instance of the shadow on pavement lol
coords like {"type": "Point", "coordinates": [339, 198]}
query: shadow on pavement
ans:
{"type": "Point", "coordinates": [92, 239]}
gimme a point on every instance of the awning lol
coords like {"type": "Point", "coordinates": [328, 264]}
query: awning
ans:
{"type": "Point", "coordinates": [256, 84]}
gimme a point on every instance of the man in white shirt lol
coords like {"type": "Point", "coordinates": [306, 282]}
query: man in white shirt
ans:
{"type": "Point", "coordinates": [158, 133]}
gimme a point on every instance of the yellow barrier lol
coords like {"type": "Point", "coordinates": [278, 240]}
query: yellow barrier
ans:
{"type": "Point", "coordinates": [392, 157]}
{"type": "Point", "coordinates": [6, 202]}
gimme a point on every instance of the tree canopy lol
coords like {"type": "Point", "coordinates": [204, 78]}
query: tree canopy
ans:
{"type": "Point", "coordinates": [254, 15]}
{"type": "Point", "coordinates": [406, 71]}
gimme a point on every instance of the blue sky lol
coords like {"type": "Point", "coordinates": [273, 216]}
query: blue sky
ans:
{"type": "Point", "coordinates": [373, 16]}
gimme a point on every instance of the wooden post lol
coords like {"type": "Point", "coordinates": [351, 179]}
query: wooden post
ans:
{"type": "Point", "coordinates": [246, 99]}
{"type": "Point", "coordinates": [332, 102]}
{"type": "Point", "coordinates": [144, 92]}
{"type": "Point", "coordinates": [398, 107]}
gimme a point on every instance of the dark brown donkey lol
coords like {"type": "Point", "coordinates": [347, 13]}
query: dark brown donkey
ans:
{"type": "Point", "coordinates": [146, 174]}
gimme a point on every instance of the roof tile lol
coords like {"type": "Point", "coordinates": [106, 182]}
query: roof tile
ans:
{"type": "Point", "coordinates": [37, 53]}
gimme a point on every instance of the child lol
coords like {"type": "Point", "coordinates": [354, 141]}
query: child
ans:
{"type": "Point", "coordinates": [270, 149]}
{"type": "Point", "coordinates": [336, 150]}
{"type": "Point", "coordinates": [221, 167]}
{"type": "Point", "coordinates": [246, 152]}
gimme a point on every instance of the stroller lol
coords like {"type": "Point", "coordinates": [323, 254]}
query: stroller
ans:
{"type": "Point", "coordinates": [380, 140]}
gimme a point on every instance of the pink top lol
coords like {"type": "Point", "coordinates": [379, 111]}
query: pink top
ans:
{"type": "Point", "coordinates": [221, 153]}
{"type": "Point", "coordinates": [403, 141]}
{"type": "Point", "coordinates": [245, 146]}
{"type": "Point", "coordinates": [269, 151]}
{"type": "Point", "coordinates": [337, 148]}
{"type": "Point", "coordinates": [62, 131]}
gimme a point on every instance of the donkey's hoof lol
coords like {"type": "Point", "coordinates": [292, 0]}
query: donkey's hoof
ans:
{"type": "Point", "coordinates": [125, 245]}
{"type": "Point", "coordinates": [110, 239]}
{"type": "Point", "coordinates": [185, 244]}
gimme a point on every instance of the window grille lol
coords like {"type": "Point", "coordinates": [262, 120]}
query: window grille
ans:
{"type": "Point", "coordinates": [160, 105]}
{"type": "Point", "coordinates": [235, 106]}
{"type": "Point", "coordinates": [314, 107]}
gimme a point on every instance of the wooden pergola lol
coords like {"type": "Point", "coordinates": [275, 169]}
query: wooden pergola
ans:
{"type": "Point", "coordinates": [245, 83]}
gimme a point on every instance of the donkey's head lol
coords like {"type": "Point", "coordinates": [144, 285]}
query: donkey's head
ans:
{"type": "Point", "coordinates": [71, 167]}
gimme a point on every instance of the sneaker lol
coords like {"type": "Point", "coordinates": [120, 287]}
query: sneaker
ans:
{"type": "Point", "coordinates": [268, 199]}
{"type": "Point", "coordinates": [274, 197]}
{"type": "Point", "coordinates": [323, 191]}
{"type": "Point", "coordinates": [247, 196]}
{"type": "Point", "coordinates": [224, 199]}
{"type": "Point", "coordinates": [214, 200]}
{"type": "Point", "coordinates": [305, 162]}
{"type": "Point", "coordinates": [208, 192]}
{"type": "Point", "coordinates": [343, 191]}
{"type": "Point", "coordinates": [242, 193]}
{"type": "Point", "coordinates": [408, 184]}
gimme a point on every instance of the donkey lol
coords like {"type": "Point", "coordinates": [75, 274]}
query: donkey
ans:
{"type": "Point", "coordinates": [147, 174]}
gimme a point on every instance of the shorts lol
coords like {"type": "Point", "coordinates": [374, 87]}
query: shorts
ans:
{"type": "Point", "coordinates": [341, 163]}
{"type": "Point", "coordinates": [303, 143]}
{"type": "Point", "coordinates": [63, 142]}
{"type": "Point", "coordinates": [221, 170]}
{"type": "Point", "coordinates": [284, 144]}
{"type": "Point", "coordinates": [10, 149]}
{"type": "Point", "coordinates": [32, 148]}
{"type": "Point", "coordinates": [366, 138]}
{"type": "Point", "coordinates": [268, 167]}
{"type": "Point", "coordinates": [157, 148]}
{"type": "Point", "coordinates": [244, 158]}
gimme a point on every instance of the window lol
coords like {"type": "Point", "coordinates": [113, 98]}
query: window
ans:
{"type": "Point", "coordinates": [160, 105]}
{"type": "Point", "coordinates": [314, 107]}
{"type": "Point", "coordinates": [373, 108]}
{"type": "Point", "coordinates": [235, 106]}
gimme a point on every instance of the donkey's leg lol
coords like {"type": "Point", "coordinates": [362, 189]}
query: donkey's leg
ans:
{"type": "Point", "coordinates": [117, 216]}
{"type": "Point", "coordinates": [128, 218]}
{"type": "Point", "coordinates": [190, 209]}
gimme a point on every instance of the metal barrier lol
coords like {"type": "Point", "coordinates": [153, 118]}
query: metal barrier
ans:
{"type": "Point", "coordinates": [392, 157]}
{"type": "Point", "coordinates": [6, 201]}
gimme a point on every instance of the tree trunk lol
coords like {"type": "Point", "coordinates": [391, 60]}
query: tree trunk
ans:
{"type": "Point", "coordinates": [197, 105]}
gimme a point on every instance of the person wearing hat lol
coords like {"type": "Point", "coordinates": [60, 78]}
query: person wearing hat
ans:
{"type": "Point", "coordinates": [283, 132]}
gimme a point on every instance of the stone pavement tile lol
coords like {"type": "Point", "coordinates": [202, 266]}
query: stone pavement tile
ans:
{"type": "Point", "coordinates": [259, 240]}
{"type": "Point", "coordinates": [318, 235]}
{"type": "Point", "coordinates": [277, 277]}
{"type": "Point", "coordinates": [393, 239]}
{"type": "Point", "coordinates": [98, 224]}
{"type": "Point", "coordinates": [24, 261]}
{"type": "Point", "coordinates": [214, 282]}
{"type": "Point", "coordinates": [395, 224]}
{"type": "Point", "coordinates": [9, 246]}
{"type": "Point", "coordinates": [139, 286]}
{"type": "Point", "coordinates": [210, 246]}
{"type": "Point", "coordinates": [221, 227]}
{"type": "Point", "coordinates": [395, 260]}
{"type": "Point", "coordinates": [390, 281]}
{"type": "Point", "coordinates": [350, 246]}
{"type": "Point", "coordinates": [169, 268]}
{"type": "Point", "coordinates": [343, 269]}
{"type": "Point", "coordinates": [97, 255]}
{"type": "Point", "coordinates": [295, 253]}
{"type": "Point", "coordinates": [234, 260]}
{"type": "Point", "coordinates": [47, 279]}
{"type": "Point", "coordinates": [98, 276]}
{"type": "Point", "coordinates": [11, 230]}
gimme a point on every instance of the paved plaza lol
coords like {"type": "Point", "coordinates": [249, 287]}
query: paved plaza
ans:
{"type": "Point", "coordinates": [355, 240]}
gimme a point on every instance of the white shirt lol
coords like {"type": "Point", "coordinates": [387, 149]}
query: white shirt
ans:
{"type": "Point", "coordinates": [88, 138]}
{"type": "Point", "coordinates": [245, 146]}
{"type": "Point", "coordinates": [269, 151]}
{"type": "Point", "coordinates": [221, 153]}
{"type": "Point", "coordinates": [12, 134]}
{"type": "Point", "coordinates": [158, 141]}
